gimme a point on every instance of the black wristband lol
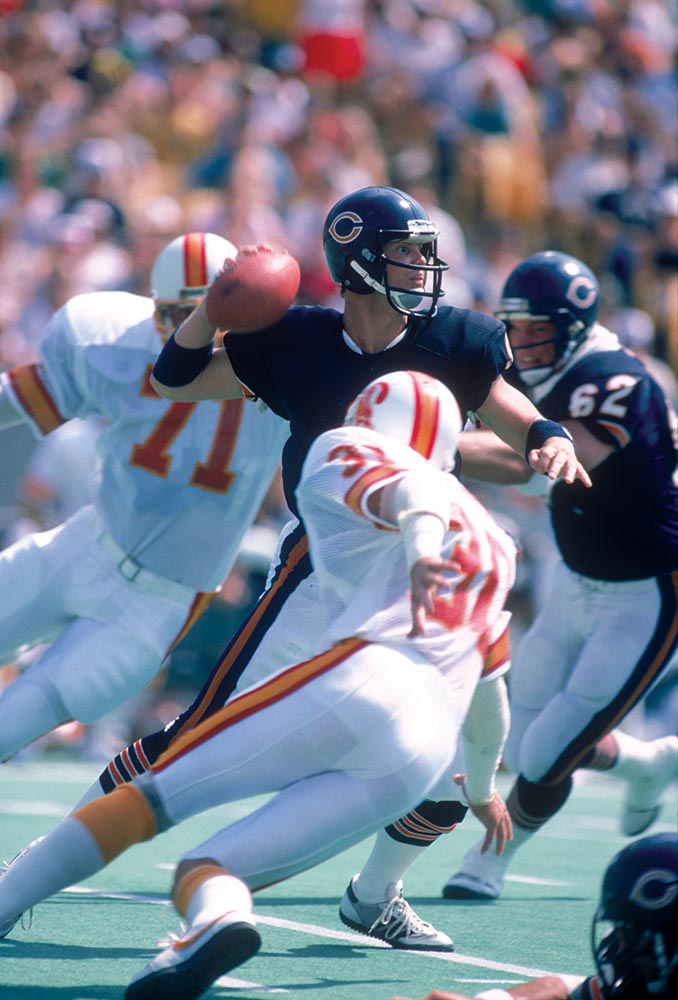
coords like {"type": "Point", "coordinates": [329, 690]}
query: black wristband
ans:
{"type": "Point", "coordinates": [177, 365]}
{"type": "Point", "coordinates": [540, 431]}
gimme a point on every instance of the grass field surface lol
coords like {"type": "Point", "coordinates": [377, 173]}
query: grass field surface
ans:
{"type": "Point", "coordinates": [88, 941]}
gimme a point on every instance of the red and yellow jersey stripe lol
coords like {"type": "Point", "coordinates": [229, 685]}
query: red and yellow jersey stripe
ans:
{"type": "Point", "coordinates": [34, 398]}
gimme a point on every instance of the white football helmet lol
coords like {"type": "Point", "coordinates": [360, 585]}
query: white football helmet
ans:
{"type": "Point", "coordinates": [414, 408]}
{"type": "Point", "coordinates": [182, 273]}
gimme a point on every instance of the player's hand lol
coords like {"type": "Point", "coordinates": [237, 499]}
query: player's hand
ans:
{"type": "Point", "coordinates": [557, 459]}
{"type": "Point", "coordinates": [251, 249]}
{"type": "Point", "coordinates": [426, 580]}
{"type": "Point", "coordinates": [494, 816]}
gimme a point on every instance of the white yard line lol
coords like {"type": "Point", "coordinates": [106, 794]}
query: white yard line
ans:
{"type": "Point", "coordinates": [527, 972]}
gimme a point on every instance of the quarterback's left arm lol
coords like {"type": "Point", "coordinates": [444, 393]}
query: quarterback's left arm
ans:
{"type": "Point", "coordinates": [547, 446]}
{"type": "Point", "coordinates": [486, 458]}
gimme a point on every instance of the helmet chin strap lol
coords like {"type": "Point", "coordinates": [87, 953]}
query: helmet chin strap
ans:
{"type": "Point", "coordinates": [367, 278]}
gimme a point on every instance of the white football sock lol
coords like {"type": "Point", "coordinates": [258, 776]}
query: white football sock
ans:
{"type": "Point", "coordinates": [520, 837]}
{"type": "Point", "coordinates": [27, 713]}
{"type": "Point", "coordinates": [67, 855]}
{"type": "Point", "coordinates": [635, 757]}
{"type": "Point", "coordinates": [216, 896]}
{"type": "Point", "coordinates": [389, 861]}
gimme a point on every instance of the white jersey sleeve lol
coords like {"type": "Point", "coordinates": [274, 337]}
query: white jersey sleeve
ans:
{"type": "Point", "coordinates": [86, 346]}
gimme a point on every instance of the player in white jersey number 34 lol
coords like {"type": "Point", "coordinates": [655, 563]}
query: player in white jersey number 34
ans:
{"type": "Point", "coordinates": [412, 578]}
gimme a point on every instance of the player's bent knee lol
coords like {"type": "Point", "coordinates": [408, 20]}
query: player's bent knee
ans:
{"type": "Point", "coordinates": [553, 737]}
{"type": "Point", "coordinates": [29, 708]}
{"type": "Point", "coordinates": [532, 770]}
{"type": "Point", "coordinates": [119, 820]}
{"type": "Point", "coordinates": [146, 784]}
{"type": "Point", "coordinates": [421, 773]}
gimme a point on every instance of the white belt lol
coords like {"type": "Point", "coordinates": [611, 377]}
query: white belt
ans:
{"type": "Point", "coordinates": [143, 578]}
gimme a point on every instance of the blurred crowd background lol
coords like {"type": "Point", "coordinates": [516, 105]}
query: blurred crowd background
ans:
{"type": "Point", "coordinates": [521, 125]}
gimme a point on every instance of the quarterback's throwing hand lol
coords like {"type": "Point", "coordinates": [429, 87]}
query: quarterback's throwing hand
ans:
{"type": "Point", "coordinates": [557, 459]}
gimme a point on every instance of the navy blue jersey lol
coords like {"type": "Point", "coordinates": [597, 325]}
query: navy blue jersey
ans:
{"type": "Point", "coordinates": [626, 526]}
{"type": "Point", "coordinates": [594, 988]}
{"type": "Point", "coordinates": [303, 369]}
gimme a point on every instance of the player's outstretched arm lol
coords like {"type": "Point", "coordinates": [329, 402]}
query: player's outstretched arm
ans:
{"type": "Point", "coordinates": [486, 458]}
{"type": "Point", "coordinates": [189, 368]}
{"type": "Point", "coordinates": [546, 445]}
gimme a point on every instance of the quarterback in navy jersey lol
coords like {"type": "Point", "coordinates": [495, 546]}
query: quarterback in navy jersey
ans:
{"type": "Point", "coordinates": [607, 632]}
{"type": "Point", "coordinates": [308, 370]}
{"type": "Point", "coordinates": [381, 249]}
{"type": "Point", "coordinates": [312, 363]}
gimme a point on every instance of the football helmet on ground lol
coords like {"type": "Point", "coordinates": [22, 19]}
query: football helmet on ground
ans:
{"type": "Point", "coordinates": [182, 273]}
{"type": "Point", "coordinates": [355, 235]}
{"type": "Point", "coordinates": [556, 287]}
{"type": "Point", "coordinates": [635, 929]}
{"type": "Point", "coordinates": [414, 408]}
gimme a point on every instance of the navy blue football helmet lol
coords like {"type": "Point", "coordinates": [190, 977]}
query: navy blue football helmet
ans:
{"type": "Point", "coordinates": [356, 231]}
{"type": "Point", "coordinates": [635, 929]}
{"type": "Point", "coordinates": [556, 287]}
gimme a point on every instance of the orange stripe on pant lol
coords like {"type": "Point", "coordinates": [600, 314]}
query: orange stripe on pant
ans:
{"type": "Point", "coordinates": [279, 687]}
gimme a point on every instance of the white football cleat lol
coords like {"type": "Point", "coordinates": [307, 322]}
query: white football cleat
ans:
{"type": "Point", "coordinates": [392, 920]}
{"type": "Point", "coordinates": [8, 925]}
{"type": "Point", "coordinates": [481, 876]}
{"type": "Point", "coordinates": [195, 959]}
{"type": "Point", "coordinates": [642, 805]}
{"type": "Point", "coordinates": [25, 918]}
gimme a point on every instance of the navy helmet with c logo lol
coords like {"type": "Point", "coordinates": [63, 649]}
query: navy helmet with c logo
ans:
{"type": "Point", "coordinates": [355, 235]}
{"type": "Point", "coordinates": [550, 286]}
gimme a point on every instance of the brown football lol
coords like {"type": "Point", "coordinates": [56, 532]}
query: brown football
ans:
{"type": "Point", "coordinates": [254, 290]}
